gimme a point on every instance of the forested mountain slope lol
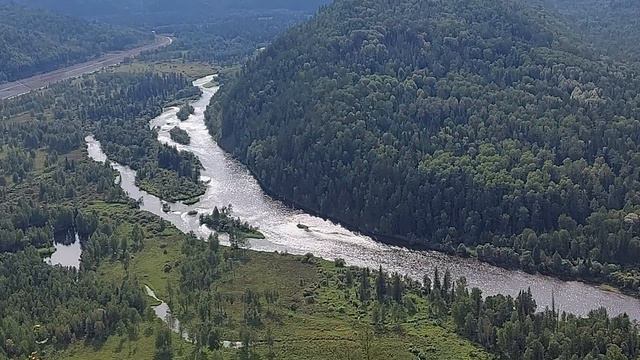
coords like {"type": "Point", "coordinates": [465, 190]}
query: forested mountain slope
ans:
{"type": "Point", "coordinates": [34, 41]}
{"type": "Point", "coordinates": [454, 124]}
{"type": "Point", "coordinates": [162, 12]}
{"type": "Point", "coordinates": [612, 25]}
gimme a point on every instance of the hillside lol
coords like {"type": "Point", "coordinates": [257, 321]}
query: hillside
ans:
{"type": "Point", "coordinates": [476, 127]}
{"type": "Point", "coordinates": [163, 12]}
{"type": "Point", "coordinates": [53, 41]}
{"type": "Point", "coordinates": [612, 25]}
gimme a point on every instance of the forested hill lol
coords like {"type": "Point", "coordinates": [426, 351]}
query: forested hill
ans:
{"type": "Point", "coordinates": [468, 125]}
{"type": "Point", "coordinates": [612, 25]}
{"type": "Point", "coordinates": [35, 41]}
{"type": "Point", "coordinates": [162, 12]}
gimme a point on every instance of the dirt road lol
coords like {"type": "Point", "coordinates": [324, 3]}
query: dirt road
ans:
{"type": "Point", "coordinates": [23, 86]}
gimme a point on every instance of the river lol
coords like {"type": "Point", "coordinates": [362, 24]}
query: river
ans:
{"type": "Point", "coordinates": [230, 182]}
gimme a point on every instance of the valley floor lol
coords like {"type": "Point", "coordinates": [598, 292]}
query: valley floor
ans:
{"type": "Point", "coordinates": [315, 316]}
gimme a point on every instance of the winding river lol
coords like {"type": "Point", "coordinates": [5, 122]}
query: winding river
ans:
{"type": "Point", "coordinates": [231, 183]}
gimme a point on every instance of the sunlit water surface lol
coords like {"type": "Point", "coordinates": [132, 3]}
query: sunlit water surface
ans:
{"type": "Point", "coordinates": [231, 183]}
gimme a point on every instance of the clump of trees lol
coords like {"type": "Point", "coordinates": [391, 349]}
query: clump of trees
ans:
{"type": "Point", "coordinates": [203, 264]}
{"type": "Point", "coordinates": [37, 212]}
{"type": "Point", "coordinates": [180, 136]}
{"type": "Point", "coordinates": [221, 220]}
{"type": "Point", "coordinates": [185, 111]}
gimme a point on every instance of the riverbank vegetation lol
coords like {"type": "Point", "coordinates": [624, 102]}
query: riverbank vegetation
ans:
{"type": "Point", "coordinates": [63, 305]}
{"type": "Point", "coordinates": [284, 306]}
{"type": "Point", "coordinates": [491, 129]}
{"type": "Point", "coordinates": [281, 306]}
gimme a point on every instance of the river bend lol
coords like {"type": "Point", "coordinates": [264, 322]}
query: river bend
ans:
{"type": "Point", "coordinates": [230, 182]}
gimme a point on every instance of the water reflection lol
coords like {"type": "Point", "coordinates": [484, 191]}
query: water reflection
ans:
{"type": "Point", "coordinates": [68, 250]}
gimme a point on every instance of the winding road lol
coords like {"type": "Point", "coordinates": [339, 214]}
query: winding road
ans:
{"type": "Point", "coordinates": [26, 85]}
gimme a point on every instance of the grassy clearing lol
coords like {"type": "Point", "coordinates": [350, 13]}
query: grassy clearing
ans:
{"type": "Point", "coordinates": [121, 347]}
{"type": "Point", "coordinates": [315, 316]}
{"type": "Point", "coordinates": [332, 323]}
{"type": "Point", "coordinates": [161, 247]}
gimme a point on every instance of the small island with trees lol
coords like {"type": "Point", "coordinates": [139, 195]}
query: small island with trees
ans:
{"type": "Point", "coordinates": [221, 220]}
{"type": "Point", "coordinates": [185, 111]}
{"type": "Point", "coordinates": [180, 136]}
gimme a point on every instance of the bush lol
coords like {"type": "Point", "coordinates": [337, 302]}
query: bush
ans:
{"type": "Point", "coordinates": [307, 258]}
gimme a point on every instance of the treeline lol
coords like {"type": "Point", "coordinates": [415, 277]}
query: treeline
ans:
{"type": "Point", "coordinates": [610, 26]}
{"type": "Point", "coordinates": [162, 12]}
{"type": "Point", "coordinates": [484, 127]}
{"type": "Point", "coordinates": [513, 329]}
{"type": "Point", "coordinates": [227, 40]}
{"type": "Point", "coordinates": [35, 41]}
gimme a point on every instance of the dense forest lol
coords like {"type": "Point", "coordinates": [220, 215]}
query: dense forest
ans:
{"type": "Point", "coordinates": [469, 126]}
{"type": "Point", "coordinates": [612, 26]}
{"type": "Point", "coordinates": [228, 40]}
{"type": "Point", "coordinates": [54, 41]}
{"type": "Point", "coordinates": [163, 12]}
{"type": "Point", "coordinates": [63, 305]}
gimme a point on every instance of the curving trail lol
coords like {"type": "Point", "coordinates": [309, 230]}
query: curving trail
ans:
{"type": "Point", "coordinates": [23, 86]}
